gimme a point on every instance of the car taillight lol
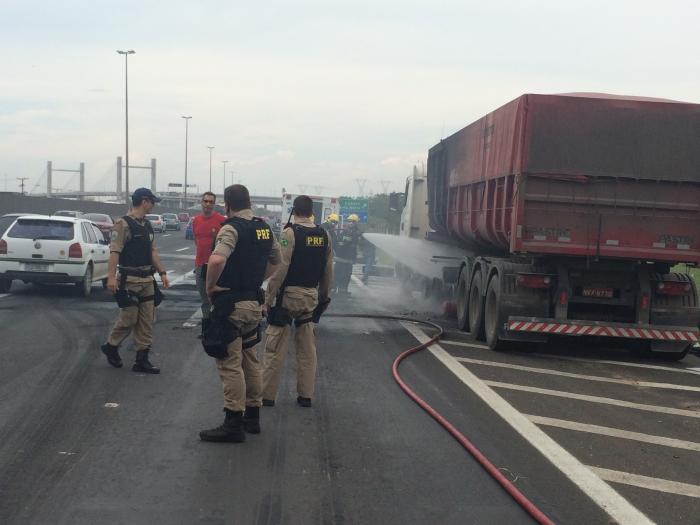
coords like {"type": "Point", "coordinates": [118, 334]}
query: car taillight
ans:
{"type": "Point", "coordinates": [673, 288]}
{"type": "Point", "coordinates": [75, 251]}
{"type": "Point", "coordinates": [533, 281]}
{"type": "Point", "coordinates": [3, 247]}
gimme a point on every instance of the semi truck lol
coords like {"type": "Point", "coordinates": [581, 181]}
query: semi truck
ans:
{"type": "Point", "coordinates": [571, 211]}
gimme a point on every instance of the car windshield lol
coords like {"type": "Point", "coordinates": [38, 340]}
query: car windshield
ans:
{"type": "Point", "coordinates": [152, 217]}
{"type": "Point", "coordinates": [170, 216]}
{"type": "Point", "coordinates": [42, 229]}
{"type": "Point", "coordinates": [97, 217]}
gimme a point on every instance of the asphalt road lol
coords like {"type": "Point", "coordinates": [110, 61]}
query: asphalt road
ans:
{"type": "Point", "coordinates": [81, 442]}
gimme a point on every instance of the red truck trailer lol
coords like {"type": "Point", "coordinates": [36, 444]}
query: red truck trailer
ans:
{"type": "Point", "coordinates": [576, 207]}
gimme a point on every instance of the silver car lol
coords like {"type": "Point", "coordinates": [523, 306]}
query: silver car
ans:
{"type": "Point", "coordinates": [157, 222]}
{"type": "Point", "coordinates": [171, 221]}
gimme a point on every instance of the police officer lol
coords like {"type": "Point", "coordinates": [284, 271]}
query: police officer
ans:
{"type": "Point", "coordinates": [133, 251]}
{"type": "Point", "coordinates": [346, 242]}
{"type": "Point", "coordinates": [245, 253]}
{"type": "Point", "coordinates": [302, 281]}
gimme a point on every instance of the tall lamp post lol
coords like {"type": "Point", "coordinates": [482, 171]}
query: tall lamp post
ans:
{"type": "Point", "coordinates": [187, 129]}
{"type": "Point", "coordinates": [126, 90]}
{"type": "Point", "coordinates": [210, 149]}
{"type": "Point", "coordinates": [224, 162]}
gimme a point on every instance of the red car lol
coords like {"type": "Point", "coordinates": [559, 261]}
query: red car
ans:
{"type": "Point", "coordinates": [103, 221]}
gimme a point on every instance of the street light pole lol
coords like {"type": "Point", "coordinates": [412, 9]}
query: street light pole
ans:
{"type": "Point", "coordinates": [210, 148]}
{"type": "Point", "coordinates": [224, 161]}
{"type": "Point", "coordinates": [126, 90]}
{"type": "Point", "coordinates": [187, 129]}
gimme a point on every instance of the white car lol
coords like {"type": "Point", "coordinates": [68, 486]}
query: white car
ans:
{"type": "Point", "coordinates": [157, 222]}
{"type": "Point", "coordinates": [51, 249]}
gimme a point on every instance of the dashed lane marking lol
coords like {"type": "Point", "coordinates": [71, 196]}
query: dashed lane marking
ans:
{"type": "Point", "coordinates": [547, 371]}
{"type": "Point", "coordinates": [594, 487]}
{"type": "Point", "coordinates": [595, 399]}
{"type": "Point", "coordinates": [4, 295]}
{"type": "Point", "coordinates": [194, 320]}
{"type": "Point", "coordinates": [614, 432]}
{"type": "Point", "coordinates": [693, 371]}
{"type": "Point", "coordinates": [645, 482]}
{"type": "Point", "coordinates": [183, 249]}
{"type": "Point", "coordinates": [166, 235]}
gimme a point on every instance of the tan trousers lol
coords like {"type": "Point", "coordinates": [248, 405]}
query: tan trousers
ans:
{"type": "Point", "coordinates": [301, 303]}
{"type": "Point", "coordinates": [240, 372]}
{"type": "Point", "coordinates": [138, 319]}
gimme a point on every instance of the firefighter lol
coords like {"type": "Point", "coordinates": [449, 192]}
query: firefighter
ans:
{"type": "Point", "coordinates": [346, 242]}
{"type": "Point", "coordinates": [299, 290]}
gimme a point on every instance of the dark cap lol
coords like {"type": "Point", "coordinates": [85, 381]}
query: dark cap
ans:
{"type": "Point", "coordinates": [144, 193]}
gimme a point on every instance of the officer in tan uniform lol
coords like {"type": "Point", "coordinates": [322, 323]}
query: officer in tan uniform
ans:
{"type": "Point", "coordinates": [134, 255]}
{"type": "Point", "coordinates": [245, 253]}
{"type": "Point", "coordinates": [298, 287]}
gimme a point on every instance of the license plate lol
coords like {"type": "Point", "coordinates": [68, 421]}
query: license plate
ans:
{"type": "Point", "coordinates": [34, 267]}
{"type": "Point", "coordinates": [599, 293]}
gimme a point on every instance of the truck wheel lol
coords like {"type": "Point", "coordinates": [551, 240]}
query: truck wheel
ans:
{"type": "Point", "coordinates": [476, 307]}
{"type": "Point", "coordinates": [492, 315]}
{"type": "Point", "coordinates": [5, 285]}
{"type": "Point", "coordinates": [462, 301]}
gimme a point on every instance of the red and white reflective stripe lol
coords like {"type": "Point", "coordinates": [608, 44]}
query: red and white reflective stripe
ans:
{"type": "Point", "coordinates": [610, 331]}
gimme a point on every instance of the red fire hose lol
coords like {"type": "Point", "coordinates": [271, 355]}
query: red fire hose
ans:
{"type": "Point", "coordinates": [511, 489]}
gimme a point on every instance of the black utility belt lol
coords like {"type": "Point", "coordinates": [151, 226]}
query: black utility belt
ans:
{"type": "Point", "coordinates": [135, 272]}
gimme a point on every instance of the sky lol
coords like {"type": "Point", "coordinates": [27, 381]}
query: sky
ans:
{"type": "Point", "coordinates": [307, 95]}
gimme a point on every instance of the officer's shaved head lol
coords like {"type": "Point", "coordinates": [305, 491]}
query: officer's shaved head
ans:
{"type": "Point", "coordinates": [237, 197]}
{"type": "Point", "coordinates": [303, 206]}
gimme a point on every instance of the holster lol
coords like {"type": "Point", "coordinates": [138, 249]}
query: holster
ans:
{"type": "Point", "coordinates": [217, 331]}
{"type": "Point", "coordinates": [157, 294]}
{"type": "Point", "coordinates": [320, 308]}
{"type": "Point", "coordinates": [279, 316]}
{"type": "Point", "coordinates": [125, 299]}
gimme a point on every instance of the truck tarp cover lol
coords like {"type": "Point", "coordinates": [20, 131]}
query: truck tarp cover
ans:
{"type": "Point", "coordinates": [580, 134]}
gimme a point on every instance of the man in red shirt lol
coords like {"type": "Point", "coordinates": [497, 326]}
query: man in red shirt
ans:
{"type": "Point", "coordinates": [204, 228]}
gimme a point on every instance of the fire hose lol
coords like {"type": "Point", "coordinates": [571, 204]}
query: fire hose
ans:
{"type": "Point", "coordinates": [490, 468]}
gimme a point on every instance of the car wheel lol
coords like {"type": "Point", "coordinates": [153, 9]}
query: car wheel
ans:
{"type": "Point", "coordinates": [85, 285]}
{"type": "Point", "coordinates": [5, 285]}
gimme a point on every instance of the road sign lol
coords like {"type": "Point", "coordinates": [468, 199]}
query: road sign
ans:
{"type": "Point", "coordinates": [357, 205]}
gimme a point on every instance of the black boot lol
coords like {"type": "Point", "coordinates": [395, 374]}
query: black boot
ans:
{"type": "Point", "coordinates": [142, 363]}
{"type": "Point", "coordinates": [112, 353]}
{"type": "Point", "coordinates": [251, 420]}
{"type": "Point", "coordinates": [304, 401]}
{"type": "Point", "coordinates": [230, 432]}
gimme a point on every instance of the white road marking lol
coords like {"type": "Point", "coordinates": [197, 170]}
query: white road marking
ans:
{"type": "Point", "coordinates": [631, 382]}
{"type": "Point", "coordinates": [645, 482]}
{"type": "Point", "coordinates": [596, 399]}
{"type": "Point", "coordinates": [4, 295]}
{"type": "Point", "coordinates": [182, 278]}
{"type": "Point", "coordinates": [614, 432]}
{"type": "Point", "coordinates": [111, 405]}
{"type": "Point", "coordinates": [693, 371]}
{"type": "Point", "coordinates": [194, 319]}
{"type": "Point", "coordinates": [183, 249]}
{"type": "Point", "coordinates": [66, 453]}
{"type": "Point", "coordinates": [358, 282]}
{"type": "Point", "coordinates": [600, 492]}
{"type": "Point", "coordinates": [166, 235]}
